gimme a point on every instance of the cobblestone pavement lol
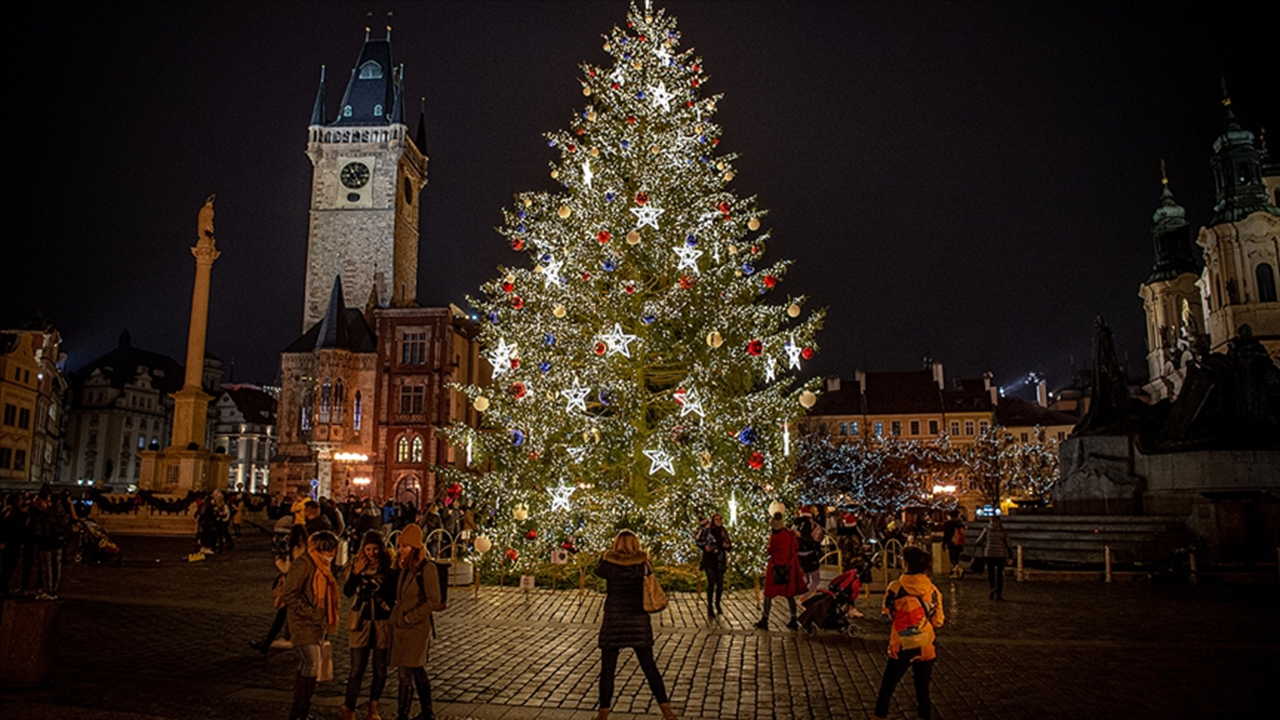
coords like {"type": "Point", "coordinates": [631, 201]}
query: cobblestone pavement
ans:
{"type": "Point", "coordinates": [162, 638]}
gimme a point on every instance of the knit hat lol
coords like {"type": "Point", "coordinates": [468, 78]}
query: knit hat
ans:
{"type": "Point", "coordinates": [411, 536]}
{"type": "Point", "coordinates": [373, 537]}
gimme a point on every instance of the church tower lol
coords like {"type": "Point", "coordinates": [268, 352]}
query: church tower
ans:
{"type": "Point", "coordinates": [1175, 318]}
{"type": "Point", "coordinates": [366, 180]}
{"type": "Point", "coordinates": [1241, 244]}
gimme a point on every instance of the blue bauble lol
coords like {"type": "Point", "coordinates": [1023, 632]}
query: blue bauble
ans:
{"type": "Point", "coordinates": [625, 144]}
{"type": "Point", "coordinates": [608, 197]}
{"type": "Point", "coordinates": [609, 265]}
{"type": "Point", "coordinates": [544, 366]}
{"type": "Point", "coordinates": [520, 228]}
{"type": "Point", "coordinates": [647, 319]}
{"type": "Point", "coordinates": [493, 317]}
{"type": "Point", "coordinates": [747, 436]}
{"type": "Point", "coordinates": [520, 215]}
{"type": "Point", "coordinates": [517, 438]}
{"type": "Point", "coordinates": [691, 240]}
{"type": "Point", "coordinates": [549, 339]}
{"type": "Point", "coordinates": [747, 269]}
{"type": "Point", "coordinates": [546, 257]}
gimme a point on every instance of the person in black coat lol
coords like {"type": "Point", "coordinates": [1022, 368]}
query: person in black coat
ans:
{"type": "Point", "coordinates": [714, 542]}
{"type": "Point", "coordinates": [625, 623]}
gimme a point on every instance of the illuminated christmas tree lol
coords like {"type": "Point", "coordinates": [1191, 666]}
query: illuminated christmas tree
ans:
{"type": "Point", "coordinates": [644, 352]}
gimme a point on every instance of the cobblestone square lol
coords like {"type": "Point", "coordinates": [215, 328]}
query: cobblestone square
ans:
{"type": "Point", "coordinates": [163, 638]}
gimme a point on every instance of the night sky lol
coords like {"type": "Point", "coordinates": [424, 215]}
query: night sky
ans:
{"type": "Point", "coordinates": [967, 181]}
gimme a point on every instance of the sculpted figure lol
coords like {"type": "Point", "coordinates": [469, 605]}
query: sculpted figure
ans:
{"type": "Point", "coordinates": [206, 218]}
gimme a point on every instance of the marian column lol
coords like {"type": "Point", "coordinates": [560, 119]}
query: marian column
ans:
{"type": "Point", "coordinates": [191, 403]}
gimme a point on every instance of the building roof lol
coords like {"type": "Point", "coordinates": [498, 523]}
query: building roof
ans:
{"type": "Point", "coordinates": [254, 403]}
{"type": "Point", "coordinates": [341, 328]}
{"type": "Point", "coordinates": [1237, 163]}
{"type": "Point", "coordinates": [120, 367]}
{"type": "Point", "coordinates": [1012, 412]}
{"type": "Point", "coordinates": [1172, 237]}
{"type": "Point", "coordinates": [904, 393]}
{"type": "Point", "coordinates": [370, 97]}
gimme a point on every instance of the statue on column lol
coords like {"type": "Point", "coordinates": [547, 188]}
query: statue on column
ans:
{"type": "Point", "coordinates": [206, 218]}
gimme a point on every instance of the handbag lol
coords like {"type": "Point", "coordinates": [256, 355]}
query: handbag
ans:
{"type": "Point", "coordinates": [781, 574]}
{"type": "Point", "coordinates": [655, 599]}
{"type": "Point", "coordinates": [325, 671]}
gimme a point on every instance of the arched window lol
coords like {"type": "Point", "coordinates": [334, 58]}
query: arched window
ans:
{"type": "Point", "coordinates": [402, 450]}
{"type": "Point", "coordinates": [357, 412]}
{"type": "Point", "coordinates": [417, 449]}
{"type": "Point", "coordinates": [339, 400]}
{"type": "Point", "coordinates": [326, 402]}
{"type": "Point", "coordinates": [370, 71]}
{"type": "Point", "coordinates": [1266, 283]}
{"type": "Point", "coordinates": [304, 418]}
{"type": "Point", "coordinates": [377, 111]}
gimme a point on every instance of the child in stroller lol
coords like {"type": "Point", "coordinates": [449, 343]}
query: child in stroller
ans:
{"type": "Point", "coordinates": [96, 546]}
{"type": "Point", "coordinates": [830, 609]}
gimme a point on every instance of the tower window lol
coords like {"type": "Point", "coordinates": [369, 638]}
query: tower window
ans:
{"type": "Point", "coordinates": [357, 413]}
{"type": "Point", "coordinates": [377, 111]}
{"type": "Point", "coordinates": [1266, 283]}
{"type": "Point", "coordinates": [370, 71]}
{"type": "Point", "coordinates": [346, 111]}
{"type": "Point", "coordinates": [417, 449]}
{"type": "Point", "coordinates": [408, 192]}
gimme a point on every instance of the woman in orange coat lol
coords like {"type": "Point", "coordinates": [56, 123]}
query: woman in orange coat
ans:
{"type": "Point", "coordinates": [782, 575]}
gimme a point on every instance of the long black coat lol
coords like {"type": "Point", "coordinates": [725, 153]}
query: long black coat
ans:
{"type": "Point", "coordinates": [625, 623]}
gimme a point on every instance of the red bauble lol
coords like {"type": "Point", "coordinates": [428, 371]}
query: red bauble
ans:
{"type": "Point", "coordinates": [754, 250]}
{"type": "Point", "coordinates": [754, 348]}
{"type": "Point", "coordinates": [592, 73]}
{"type": "Point", "coordinates": [533, 455]}
{"type": "Point", "coordinates": [643, 38]}
{"type": "Point", "coordinates": [628, 288]}
{"type": "Point", "coordinates": [725, 208]}
{"type": "Point", "coordinates": [806, 353]}
{"type": "Point", "coordinates": [586, 276]}
{"type": "Point", "coordinates": [642, 198]}
{"type": "Point", "coordinates": [631, 119]}
{"type": "Point", "coordinates": [508, 287]}
{"type": "Point", "coordinates": [696, 67]}
{"type": "Point", "coordinates": [715, 141]}
{"type": "Point", "coordinates": [573, 148]}
{"type": "Point", "coordinates": [757, 461]}
{"type": "Point", "coordinates": [515, 363]}
{"type": "Point", "coordinates": [694, 82]}
{"type": "Point", "coordinates": [688, 103]}
{"type": "Point", "coordinates": [517, 243]}
{"type": "Point", "coordinates": [517, 302]}
{"type": "Point", "coordinates": [770, 281]}
{"type": "Point", "coordinates": [602, 237]}
{"type": "Point", "coordinates": [600, 348]}
{"type": "Point", "coordinates": [517, 390]}
{"type": "Point", "coordinates": [613, 86]}
{"type": "Point", "coordinates": [511, 555]}
{"type": "Point", "coordinates": [580, 131]}
{"type": "Point", "coordinates": [679, 396]}
{"type": "Point", "coordinates": [687, 282]}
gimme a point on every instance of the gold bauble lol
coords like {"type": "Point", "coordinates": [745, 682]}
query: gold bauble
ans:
{"type": "Point", "coordinates": [633, 237]}
{"type": "Point", "coordinates": [607, 47]}
{"type": "Point", "coordinates": [720, 165]}
{"type": "Point", "coordinates": [555, 174]}
{"type": "Point", "coordinates": [591, 115]}
{"type": "Point", "coordinates": [733, 249]}
{"type": "Point", "coordinates": [595, 152]}
{"type": "Point", "coordinates": [728, 176]}
{"type": "Point", "coordinates": [586, 89]}
{"type": "Point", "coordinates": [537, 269]}
{"type": "Point", "coordinates": [483, 544]}
{"type": "Point", "coordinates": [753, 224]}
{"type": "Point", "coordinates": [714, 339]}
{"type": "Point", "coordinates": [704, 459]}
{"type": "Point", "coordinates": [808, 399]}
{"type": "Point", "coordinates": [563, 212]}
{"type": "Point", "coordinates": [793, 311]}
{"type": "Point", "coordinates": [521, 513]}
{"type": "Point", "coordinates": [697, 128]}
{"type": "Point", "coordinates": [558, 311]}
{"type": "Point", "coordinates": [480, 404]}
{"type": "Point", "coordinates": [636, 65]}
{"type": "Point", "coordinates": [528, 202]}
{"type": "Point", "coordinates": [510, 278]}
{"type": "Point", "coordinates": [655, 149]}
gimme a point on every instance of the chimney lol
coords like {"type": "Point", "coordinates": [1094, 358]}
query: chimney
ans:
{"type": "Point", "coordinates": [937, 375]}
{"type": "Point", "coordinates": [991, 388]}
{"type": "Point", "coordinates": [862, 381]}
{"type": "Point", "coordinates": [833, 384]}
{"type": "Point", "coordinates": [1042, 394]}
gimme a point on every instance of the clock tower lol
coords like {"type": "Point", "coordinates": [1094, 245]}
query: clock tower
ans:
{"type": "Point", "coordinates": [366, 181]}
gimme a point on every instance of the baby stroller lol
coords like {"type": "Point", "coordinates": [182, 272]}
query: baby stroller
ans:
{"type": "Point", "coordinates": [830, 609]}
{"type": "Point", "coordinates": [96, 546]}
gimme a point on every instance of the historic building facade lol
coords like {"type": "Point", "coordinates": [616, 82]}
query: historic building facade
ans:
{"type": "Point", "coordinates": [244, 427]}
{"type": "Point", "coordinates": [32, 398]}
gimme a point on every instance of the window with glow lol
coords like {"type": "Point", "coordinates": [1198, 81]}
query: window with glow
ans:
{"type": "Point", "coordinates": [402, 449]}
{"type": "Point", "coordinates": [357, 411]}
{"type": "Point", "coordinates": [417, 449]}
{"type": "Point", "coordinates": [339, 400]}
{"type": "Point", "coordinates": [326, 402]}
{"type": "Point", "coordinates": [895, 428]}
{"type": "Point", "coordinates": [879, 429]}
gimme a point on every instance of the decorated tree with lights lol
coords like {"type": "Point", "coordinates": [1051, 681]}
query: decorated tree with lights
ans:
{"type": "Point", "coordinates": [644, 352]}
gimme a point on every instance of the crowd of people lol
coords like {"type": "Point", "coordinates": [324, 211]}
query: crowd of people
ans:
{"type": "Point", "coordinates": [36, 530]}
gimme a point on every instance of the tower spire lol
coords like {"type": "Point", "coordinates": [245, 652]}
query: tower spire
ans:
{"type": "Point", "coordinates": [1170, 232]}
{"type": "Point", "coordinates": [420, 137]}
{"type": "Point", "coordinates": [318, 114]}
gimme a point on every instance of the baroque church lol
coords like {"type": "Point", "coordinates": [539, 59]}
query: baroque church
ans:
{"type": "Point", "coordinates": [365, 388]}
{"type": "Point", "coordinates": [1197, 302]}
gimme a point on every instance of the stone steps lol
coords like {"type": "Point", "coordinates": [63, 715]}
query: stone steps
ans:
{"type": "Point", "coordinates": [1084, 538]}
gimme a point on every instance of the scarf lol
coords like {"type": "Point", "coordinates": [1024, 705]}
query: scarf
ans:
{"type": "Point", "coordinates": [325, 588]}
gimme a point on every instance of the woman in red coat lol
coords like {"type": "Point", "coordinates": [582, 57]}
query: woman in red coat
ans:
{"type": "Point", "coordinates": [782, 575]}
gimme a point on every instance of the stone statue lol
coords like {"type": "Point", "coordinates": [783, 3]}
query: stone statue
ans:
{"type": "Point", "coordinates": [1110, 409]}
{"type": "Point", "coordinates": [206, 218]}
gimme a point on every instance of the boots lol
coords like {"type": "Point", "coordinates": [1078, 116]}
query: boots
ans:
{"type": "Point", "coordinates": [404, 700]}
{"type": "Point", "coordinates": [602, 715]}
{"type": "Point", "coordinates": [666, 711]}
{"type": "Point", "coordinates": [373, 711]}
{"type": "Point", "coordinates": [424, 697]}
{"type": "Point", "coordinates": [303, 688]}
{"type": "Point", "coordinates": [348, 713]}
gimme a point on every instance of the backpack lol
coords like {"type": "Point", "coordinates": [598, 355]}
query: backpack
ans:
{"type": "Point", "coordinates": [912, 621]}
{"type": "Point", "coordinates": [957, 537]}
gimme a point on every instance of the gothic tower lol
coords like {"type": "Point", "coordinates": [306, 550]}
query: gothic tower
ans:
{"type": "Point", "coordinates": [1241, 244]}
{"type": "Point", "coordinates": [1175, 319]}
{"type": "Point", "coordinates": [367, 176]}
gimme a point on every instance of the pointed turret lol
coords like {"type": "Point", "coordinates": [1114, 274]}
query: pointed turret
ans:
{"type": "Point", "coordinates": [333, 328]}
{"type": "Point", "coordinates": [371, 91]}
{"type": "Point", "coordinates": [1237, 171]}
{"type": "Point", "coordinates": [319, 115]}
{"type": "Point", "coordinates": [1172, 237]}
{"type": "Point", "coordinates": [397, 109]}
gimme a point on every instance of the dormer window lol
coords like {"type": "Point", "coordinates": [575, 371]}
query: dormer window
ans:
{"type": "Point", "coordinates": [377, 111]}
{"type": "Point", "coordinates": [346, 111]}
{"type": "Point", "coordinates": [371, 71]}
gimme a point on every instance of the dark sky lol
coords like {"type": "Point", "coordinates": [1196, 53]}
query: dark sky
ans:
{"type": "Point", "coordinates": [968, 181]}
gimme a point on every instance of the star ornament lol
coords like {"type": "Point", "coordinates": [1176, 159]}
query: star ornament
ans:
{"type": "Point", "coordinates": [560, 497]}
{"type": "Point", "coordinates": [659, 460]}
{"type": "Point", "coordinates": [793, 354]}
{"type": "Point", "coordinates": [587, 175]}
{"type": "Point", "coordinates": [501, 357]}
{"type": "Point", "coordinates": [770, 370]}
{"type": "Point", "coordinates": [551, 272]}
{"type": "Point", "coordinates": [692, 404]}
{"type": "Point", "coordinates": [618, 76]}
{"type": "Point", "coordinates": [576, 453]}
{"type": "Point", "coordinates": [688, 257]}
{"type": "Point", "coordinates": [647, 215]}
{"type": "Point", "coordinates": [577, 398]}
{"type": "Point", "coordinates": [617, 341]}
{"type": "Point", "coordinates": [661, 97]}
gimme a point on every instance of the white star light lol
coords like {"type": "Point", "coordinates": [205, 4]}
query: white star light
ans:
{"type": "Point", "coordinates": [501, 357]}
{"type": "Point", "coordinates": [560, 497]}
{"type": "Point", "coordinates": [617, 341]}
{"type": "Point", "coordinates": [551, 272]}
{"type": "Point", "coordinates": [587, 175]}
{"type": "Point", "coordinates": [618, 76]}
{"type": "Point", "coordinates": [770, 370]}
{"type": "Point", "coordinates": [793, 354]}
{"type": "Point", "coordinates": [577, 453]}
{"type": "Point", "coordinates": [691, 404]}
{"type": "Point", "coordinates": [647, 215]}
{"type": "Point", "coordinates": [577, 397]}
{"type": "Point", "coordinates": [660, 95]}
{"type": "Point", "coordinates": [659, 460]}
{"type": "Point", "coordinates": [688, 257]}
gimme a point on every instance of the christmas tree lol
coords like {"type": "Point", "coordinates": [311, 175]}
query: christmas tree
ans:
{"type": "Point", "coordinates": [643, 352]}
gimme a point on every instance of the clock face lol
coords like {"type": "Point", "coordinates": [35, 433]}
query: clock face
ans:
{"type": "Point", "coordinates": [354, 175]}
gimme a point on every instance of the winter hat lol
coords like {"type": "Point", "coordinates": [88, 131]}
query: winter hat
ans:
{"type": "Point", "coordinates": [373, 537]}
{"type": "Point", "coordinates": [411, 536]}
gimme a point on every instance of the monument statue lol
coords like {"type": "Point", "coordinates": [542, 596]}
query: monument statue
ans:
{"type": "Point", "coordinates": [206, 218]}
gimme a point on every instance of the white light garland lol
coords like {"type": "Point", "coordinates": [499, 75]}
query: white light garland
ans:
{"type": "Point", "coordinates": [587, 175]}
{"type": "Point", "coordinates": [770, 370]}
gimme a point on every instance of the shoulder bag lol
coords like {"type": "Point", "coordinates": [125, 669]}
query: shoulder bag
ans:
{"type": "Point", "coordinates": [655, 599]}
